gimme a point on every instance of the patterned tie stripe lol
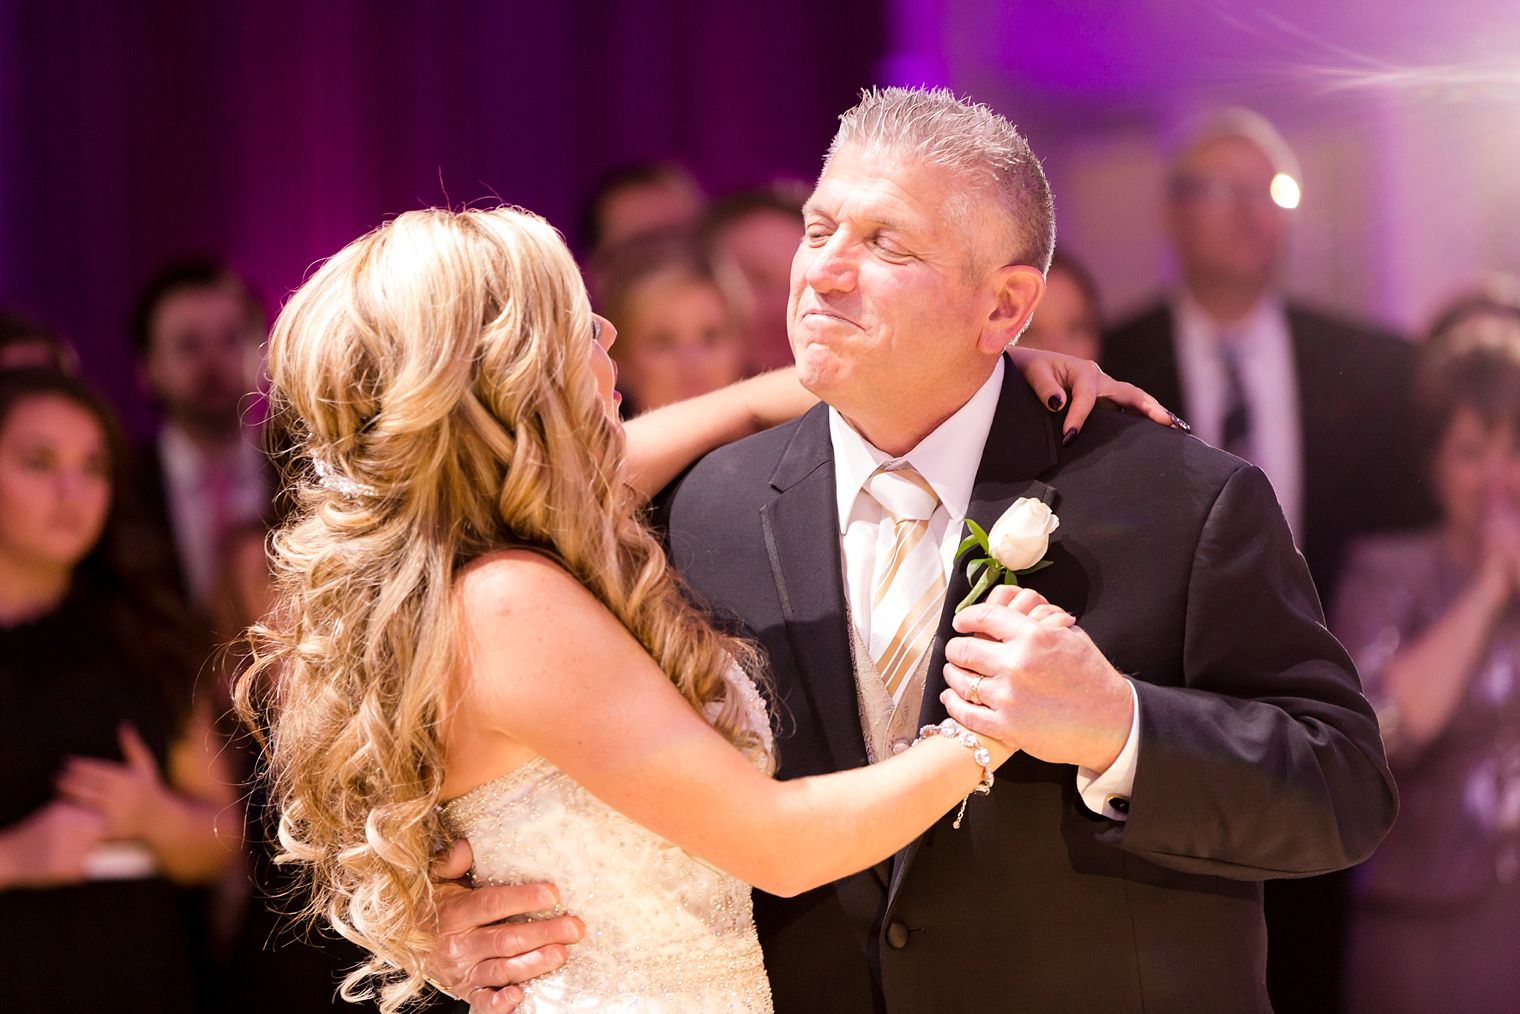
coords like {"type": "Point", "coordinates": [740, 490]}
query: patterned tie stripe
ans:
{"type": "Point", "coordinates": [908, 589]}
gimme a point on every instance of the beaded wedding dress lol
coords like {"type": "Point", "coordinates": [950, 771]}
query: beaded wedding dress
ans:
{"type": "Point", "coordinates": [665, 933]}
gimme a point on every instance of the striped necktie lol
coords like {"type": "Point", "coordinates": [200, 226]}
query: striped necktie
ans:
{"type": "Point", "coordinates": [908, 580]}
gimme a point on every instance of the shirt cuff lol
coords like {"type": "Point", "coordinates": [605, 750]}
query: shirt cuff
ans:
{"type": "Point", "coordinates": [1107, 792]}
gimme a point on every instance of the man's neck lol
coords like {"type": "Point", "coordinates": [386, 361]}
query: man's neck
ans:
{"type": "Point", "coordinates": [904, 427]}
{"type": "Point", "coordinates": [211, 441]}
{"type": "Point", "coordinates": [1226, 302]}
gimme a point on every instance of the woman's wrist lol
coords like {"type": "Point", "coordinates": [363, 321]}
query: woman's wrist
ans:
{"type": "Point", "coordinates": [952, 731]}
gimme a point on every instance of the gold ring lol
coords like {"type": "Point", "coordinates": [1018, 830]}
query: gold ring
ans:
{"type": "Point", "coordinates": [975, 696]}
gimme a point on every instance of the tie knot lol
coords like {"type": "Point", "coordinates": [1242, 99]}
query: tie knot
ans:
{"type": "Point", "coordinates": [902, 492]}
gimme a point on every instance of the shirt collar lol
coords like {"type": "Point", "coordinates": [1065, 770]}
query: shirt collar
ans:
{"type": "Point", "coordinates": [1263, 323]}
{"type": "Point", "coordinates": [186, 465]}
{"type": "Point", "coordinates": [948, 457]}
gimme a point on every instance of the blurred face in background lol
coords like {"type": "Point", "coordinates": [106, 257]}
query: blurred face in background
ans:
{"type": "Point", "coordinates": [641, 208]}
{"type": "Point", "coordinates": [1226, 228]}
{"type": "Point", "coordinates": [1066, 320]}
{"type": "Point", "coordinates": [678, 338]}
{"type": "Point", "coordinates": [762, 244]}
{"type": "Point", "coordinates": [55, 483]}
{"type": "Point", "coordinates": [1476, 472]}
{"type": "Point", "coordinates": [202, 357]}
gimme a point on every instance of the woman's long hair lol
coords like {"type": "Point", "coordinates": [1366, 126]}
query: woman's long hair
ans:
{"type": "Point", "coordinates": [439, 369]}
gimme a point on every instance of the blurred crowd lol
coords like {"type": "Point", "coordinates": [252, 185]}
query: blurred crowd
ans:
{"type": "Point", "coordinates": [134, 841]}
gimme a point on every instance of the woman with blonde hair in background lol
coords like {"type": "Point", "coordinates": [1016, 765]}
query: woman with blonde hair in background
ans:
{"type": "Point", "coordinates": [476, 635]}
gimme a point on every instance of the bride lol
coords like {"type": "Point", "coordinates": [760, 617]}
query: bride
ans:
{"type": "Point", "coordinates": [476, 635]}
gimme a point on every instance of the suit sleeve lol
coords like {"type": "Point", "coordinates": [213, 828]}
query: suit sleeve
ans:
{"type": "Point", "coordinates": [1266, 760]}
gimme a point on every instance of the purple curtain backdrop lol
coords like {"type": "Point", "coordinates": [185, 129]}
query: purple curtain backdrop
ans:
{"type": "Point", "coordinates": [275, 132]}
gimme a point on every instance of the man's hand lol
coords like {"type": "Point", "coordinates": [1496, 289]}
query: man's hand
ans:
{"type": "Point", "coordinates": [478, 957]}
{"type": "Point", "coordinates": [1044, 686]}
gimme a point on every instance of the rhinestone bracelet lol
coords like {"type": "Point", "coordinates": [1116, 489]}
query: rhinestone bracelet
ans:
{"type": "Point", "coordinates": [967, 738]}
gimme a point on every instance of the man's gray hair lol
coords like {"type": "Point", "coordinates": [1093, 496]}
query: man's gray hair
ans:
{"type": "Point", "coordinates": [935, 127]}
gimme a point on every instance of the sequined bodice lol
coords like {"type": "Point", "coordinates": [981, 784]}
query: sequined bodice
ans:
{"type": "Point", "coordinates": [665, 932]}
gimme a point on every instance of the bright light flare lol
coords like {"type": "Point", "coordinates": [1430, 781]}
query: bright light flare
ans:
{"type": "Point", "coordinates": [1285, 191]}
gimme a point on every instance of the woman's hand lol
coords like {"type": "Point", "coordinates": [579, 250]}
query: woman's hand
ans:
{"type": "Point", "coordinates": [1054, 376]}
{"type": "Point", "coordinates": [128, 795]}
{"type": "Point", "coordinates": [1501, 546]}
{"type": "Point", "coordinates": [50, 847]}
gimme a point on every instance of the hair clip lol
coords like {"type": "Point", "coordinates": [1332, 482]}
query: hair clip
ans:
{"type": "Point", "coordinates": [328, 478]}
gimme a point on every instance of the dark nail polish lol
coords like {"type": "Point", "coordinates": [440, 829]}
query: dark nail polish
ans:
{"type": "Point", "coordinates": [1068, 437]}
{"type": "Point", "coordinates": [1055, 401]}
{"type": "Point", "coordinates": [1179, 424]}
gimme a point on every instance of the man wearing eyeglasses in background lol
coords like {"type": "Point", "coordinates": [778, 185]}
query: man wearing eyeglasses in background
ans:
{"type": "Point", "coordinates": [1314, 401]}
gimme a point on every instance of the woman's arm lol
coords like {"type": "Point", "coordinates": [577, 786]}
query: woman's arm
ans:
{"type": "Point", "coordinates": [49, 847]}
{"type": "Point", "coordinates": [1427, 680]}
{"type": "Point", "coordinates": [187, 820]}
{"type": "Point", "coordinates": [662, 443]}
{"type": "Point", "coordinates": [597, 707]}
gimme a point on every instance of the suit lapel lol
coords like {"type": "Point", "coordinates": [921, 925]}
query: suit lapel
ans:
{"type": "Point", "coordinates": [1021, 444]}
{"type": "Point", "coordinates": [802, 540]}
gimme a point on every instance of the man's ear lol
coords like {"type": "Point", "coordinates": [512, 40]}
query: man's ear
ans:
{"type": "Point", "coordinates": [1017, 290]}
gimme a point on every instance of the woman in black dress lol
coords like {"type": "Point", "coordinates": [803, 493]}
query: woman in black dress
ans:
{"type": "Point", "coordinates": [114, 794]}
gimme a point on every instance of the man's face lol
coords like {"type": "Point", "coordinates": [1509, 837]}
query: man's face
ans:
{"type": "Point", "coordinates": [885, 297]}
{"type": "Point", "coordinates": [1221, 214]}
{"type": "Point", "coordinates": [202, 355]}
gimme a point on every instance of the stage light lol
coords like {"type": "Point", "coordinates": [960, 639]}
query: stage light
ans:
{"type": "Point", "coordinates": [1285, 191]}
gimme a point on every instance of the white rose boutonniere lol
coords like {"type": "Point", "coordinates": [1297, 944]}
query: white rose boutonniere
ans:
{"type": "Point", "coordinates": [1016, 545]}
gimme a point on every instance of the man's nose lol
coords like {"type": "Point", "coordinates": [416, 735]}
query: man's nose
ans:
{"type": "Point", "coordinates": [834, 268]}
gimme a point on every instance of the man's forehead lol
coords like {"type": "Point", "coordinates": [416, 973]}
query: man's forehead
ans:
{"type": "Point", "coordinates": [874, 185]}
{"type": "Point", "coordinates": [1227, 152]}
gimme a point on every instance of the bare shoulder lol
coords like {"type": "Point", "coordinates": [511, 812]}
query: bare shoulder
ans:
{"type": "Point", "coordinates": [515, 585]}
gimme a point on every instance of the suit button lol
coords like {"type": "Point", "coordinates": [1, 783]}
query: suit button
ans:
{"type": "Point", "coordinates": [897, 935]}
{"type": "Point", "coordinates": [899, 745]}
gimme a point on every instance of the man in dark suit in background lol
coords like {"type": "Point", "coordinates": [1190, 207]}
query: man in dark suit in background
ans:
{"type": "Point", "coordinates": [1117, 864]}
{"type": "Point", "coordinates": [198, 334]}
{"type": "Point", "coordinates": [1316, 402]}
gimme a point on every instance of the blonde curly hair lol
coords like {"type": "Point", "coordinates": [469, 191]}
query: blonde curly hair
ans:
{"type": "Point", "coordinates": [439, 366]}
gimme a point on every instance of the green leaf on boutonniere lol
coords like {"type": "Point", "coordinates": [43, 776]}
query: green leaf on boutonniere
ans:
{"type": "Point", "coordinates": [986, 581]}
{"type": "Point", "coordinates": [984, 571]}
{"type": "Point", "coordinates": [979, 535]}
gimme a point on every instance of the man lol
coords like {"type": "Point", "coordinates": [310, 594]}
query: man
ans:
{"type": "Point", "coordinates": [1117, 864]}
{"type": "Point", "coordinates": [197, 331]}
{"type": "Point", "coordinates": [1316, 402]}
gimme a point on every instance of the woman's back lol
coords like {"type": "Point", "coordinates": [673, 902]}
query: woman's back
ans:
{"type": "Point", "coordinates": [665, 932]}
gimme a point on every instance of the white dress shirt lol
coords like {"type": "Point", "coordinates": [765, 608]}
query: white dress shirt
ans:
{"type": "Point", "coordinates": [189, 493]}
{"type": "Point", "coordinates": [1264, 354]}
{"type": "Point", "coordinates": [948, 459]}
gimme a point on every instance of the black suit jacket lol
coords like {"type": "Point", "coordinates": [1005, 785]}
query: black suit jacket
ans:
{"type": "Point", "coordinates": [1362, 470]}
{"type": "Point", "coordinates": [1258, 755]}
